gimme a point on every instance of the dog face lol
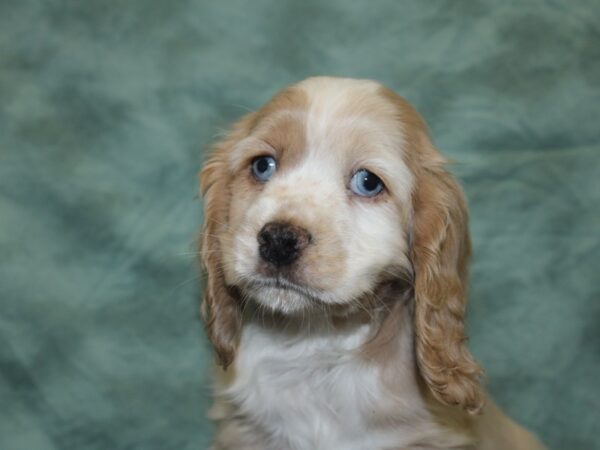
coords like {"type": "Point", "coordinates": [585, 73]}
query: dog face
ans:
{"type": "Point", "coordinates": [330, 190]}
{"type": "Point", "coordinates": [320, 199]}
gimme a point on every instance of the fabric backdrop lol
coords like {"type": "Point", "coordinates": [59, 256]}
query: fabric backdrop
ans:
{"type": "Point", "coordinates": [106, 108]}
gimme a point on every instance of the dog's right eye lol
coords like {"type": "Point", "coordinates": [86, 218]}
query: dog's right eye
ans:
{"type": "Point", "coordinates": [263, 167]}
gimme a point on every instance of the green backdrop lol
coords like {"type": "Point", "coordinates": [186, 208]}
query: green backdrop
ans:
{"type": "Point", "coordinates": [105, 109]}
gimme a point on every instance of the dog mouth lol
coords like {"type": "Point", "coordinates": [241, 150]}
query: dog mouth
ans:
{"type": "Point", "coordinates": [255, 286]}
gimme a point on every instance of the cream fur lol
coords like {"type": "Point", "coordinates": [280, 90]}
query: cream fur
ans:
{"type": "Point", "coordinates": [359, 345]}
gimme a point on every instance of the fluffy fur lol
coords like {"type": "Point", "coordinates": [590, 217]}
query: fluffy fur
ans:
{"type": "Point", "coordinates": [360, 343]}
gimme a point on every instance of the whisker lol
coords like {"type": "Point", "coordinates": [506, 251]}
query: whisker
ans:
{"type": "Point", "coordinates": [206, 233]}
{"type": "Point", "coordinates": [245, 108]}
{"type": "Point", "coordinates": [180, 285]}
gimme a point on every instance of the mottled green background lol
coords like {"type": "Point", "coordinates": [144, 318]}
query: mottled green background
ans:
{"type": "Point", "coordinates": [105, 107]}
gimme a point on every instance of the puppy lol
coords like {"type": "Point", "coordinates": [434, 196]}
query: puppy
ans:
{"type": "Point", "coordinates": [336, 250]}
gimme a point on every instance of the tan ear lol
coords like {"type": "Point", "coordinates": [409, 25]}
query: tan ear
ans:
{"type": "Point", "coordinates": [440, 254]}
{"type": "Point", "coordinates": [220, 307]}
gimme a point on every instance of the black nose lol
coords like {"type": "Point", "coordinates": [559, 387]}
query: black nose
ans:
{"type": "Point", "coordinates": [281, 243]}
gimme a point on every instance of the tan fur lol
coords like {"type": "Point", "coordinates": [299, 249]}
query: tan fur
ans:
{"type": "Point", "coordinates": [219, 308]}
{"type": "Point", "coordinates": [221, 305]}
{"type": "Point", "coordinates": [440, 254]}
{"type": "Point", "coordinates": [415, 307]}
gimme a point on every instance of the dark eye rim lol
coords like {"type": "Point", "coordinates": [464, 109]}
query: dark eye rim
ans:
{"type": "Point", "coordinates": [378, 194]}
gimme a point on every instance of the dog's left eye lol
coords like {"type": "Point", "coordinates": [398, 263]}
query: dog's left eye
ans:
{"type": "Point", "coordinates": [366, 184]}
{"type": "Point", "coordinates": [263, 167]}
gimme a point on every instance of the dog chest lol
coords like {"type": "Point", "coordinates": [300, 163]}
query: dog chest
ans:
{"type": "Point", "coordinates": [311, 391]}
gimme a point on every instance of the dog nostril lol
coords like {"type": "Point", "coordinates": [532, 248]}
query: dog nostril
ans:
{"type": "Point", "coordinates": [281, 243]}
{"type": "Point", "coordinates": [264, 237]}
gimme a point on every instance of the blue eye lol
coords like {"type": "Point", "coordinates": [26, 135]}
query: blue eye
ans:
{"type": "Point", "coordinates": [263, 167]}
{"type": "Point", "coordinates": [366, 184]}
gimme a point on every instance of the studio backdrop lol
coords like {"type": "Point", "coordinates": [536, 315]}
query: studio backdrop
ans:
{"type": "Point", "coordinates": [107, 109]}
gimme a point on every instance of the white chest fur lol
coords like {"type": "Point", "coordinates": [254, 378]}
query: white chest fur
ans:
{"type": "Point", "coordinates": [312, 390]}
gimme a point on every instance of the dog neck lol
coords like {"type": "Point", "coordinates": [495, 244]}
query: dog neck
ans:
{"type": "Point", "coordinates": [326, 381]}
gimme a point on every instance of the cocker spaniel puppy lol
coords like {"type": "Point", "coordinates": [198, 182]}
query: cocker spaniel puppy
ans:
{"type": "Point", "coordinates": [336, 250]}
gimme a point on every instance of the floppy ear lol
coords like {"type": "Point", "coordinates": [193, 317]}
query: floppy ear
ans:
{"type": "Point", "coordinates": [440, 255]}
{"type": "Point", "coordinates": [220, 308]}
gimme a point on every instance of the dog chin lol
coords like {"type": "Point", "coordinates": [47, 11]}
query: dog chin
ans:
{"type": "Point", "coordinates": [281, 299]}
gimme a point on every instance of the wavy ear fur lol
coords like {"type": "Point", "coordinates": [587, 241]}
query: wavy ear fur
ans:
{"type": "Point", "coordinates": [440, 255]}
{"type": "Point", "coordinates": [220, 307]}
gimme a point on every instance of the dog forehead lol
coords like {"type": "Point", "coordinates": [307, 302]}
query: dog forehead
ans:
{"type": "Point", "coordinates": [338, 104]}
{"type": "Point", "coordinates": [318, 113]}
{"type": "Point", "coordinates": [330, 125]}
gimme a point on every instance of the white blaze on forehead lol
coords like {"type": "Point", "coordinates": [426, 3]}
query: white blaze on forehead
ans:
{"type": "Point", "coordinates": [328, 104]}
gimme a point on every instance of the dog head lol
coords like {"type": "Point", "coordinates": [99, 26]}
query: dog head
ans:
{"type": "Point", "coordinates": [330, 190]}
